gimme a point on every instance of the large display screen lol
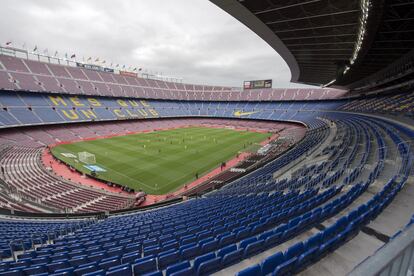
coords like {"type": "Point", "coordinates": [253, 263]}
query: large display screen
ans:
{"type": "Point", "coordinates": [257, 84]}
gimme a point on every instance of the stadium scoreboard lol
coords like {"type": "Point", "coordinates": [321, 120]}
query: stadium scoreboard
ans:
{"type": "Point", "coordinates": [257, 84]}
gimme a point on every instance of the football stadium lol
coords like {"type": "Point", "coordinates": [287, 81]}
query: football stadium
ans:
{"type": "Point", "coordinates": [108, 170]}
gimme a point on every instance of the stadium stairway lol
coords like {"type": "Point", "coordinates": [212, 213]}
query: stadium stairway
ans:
{"type": "Point", "coordinates": [287, 171]}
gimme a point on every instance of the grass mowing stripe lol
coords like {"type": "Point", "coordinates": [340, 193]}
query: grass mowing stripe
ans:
{"type": "Point", "coordinates": [161, 161]}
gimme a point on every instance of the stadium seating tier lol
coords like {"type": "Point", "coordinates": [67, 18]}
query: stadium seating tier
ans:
{"type": "Point", "coordinates": [337, 179]}
{"type": "Point", "coordinates": [204, 235]}
{"type": "Point", "coordinates": [31, 75]}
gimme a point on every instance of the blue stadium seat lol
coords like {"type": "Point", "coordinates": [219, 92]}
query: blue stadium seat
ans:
{"type": "Point", "coordinates": [84, 269]}
{"type": "Point", "coordinates": [100, 272]}
{"type": "Point", "coordinates": [165, 260]}
{"type": "Point", "coordinates": [286, 267]}
{"type": "Point", "coordinates": [209, 266]}
{"type": "Point", "coordinates": [307, 258]}
{"type": "Point", "coordinates": [15, 272]}
{"type": "Point", "coordinates": [294, 250]}
{"type": "Point", "coordinates": [144, 266]}
{"type": "Point", "coordinates": [71, 271]}
{"type": "Point", "coordinates": [130, 257]}
{"type": "Point", "coordinates": [230, 255]}
{"type": "Point", "coordinates": [227, 239]}
{"type": "Point", "coordinates": [209, 246]}
{"type": "Point", "coordinates": [109, 263]}
{"type": "Point", "coordinates": [120, 270]}
{"type": "Point", "coordinates": [52, 267]}
{"type": "Point", "coordinates": [273, 240]}
{"type": "Point", "coordinates": [243, 244]}
{"type": "Point", "coordinates": [251, 271]}
{"type": "Point", "coordinates": [35, 270]}
{"type": "Point", "coordinates": [177, 267]}
{"type": "Point", "coordinates": [154, 273]}
{"type": "Point", "coordinates": [189, 252]}
{"type": "Point", "coordinates": [79, 260]}
{"type": "Point", "coordinates": [253, 248]}
{"type": "Point", "coordinates": [269, 264]}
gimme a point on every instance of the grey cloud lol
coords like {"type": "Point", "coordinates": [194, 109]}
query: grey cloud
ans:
{"type": "Point", "coordinates": [192, 39]}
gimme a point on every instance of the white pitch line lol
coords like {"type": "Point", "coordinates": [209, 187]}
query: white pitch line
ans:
{"type": "Point", "coordinates": [126, 176]}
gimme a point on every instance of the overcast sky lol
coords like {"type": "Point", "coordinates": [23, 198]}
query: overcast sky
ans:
{"type": "Point", "coordinates": [192, 39]}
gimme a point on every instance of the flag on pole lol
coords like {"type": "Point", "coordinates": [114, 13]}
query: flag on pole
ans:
{"type": "Point", "coordinates": [35, 48]}
{"type": "Point", "coordinates": [123, 67]}
{"type": "Point", "coordinates": [97, 59]}
{"type": "Point", "coordinates": [9, 43]}
{"type": "Point", "coordinates": [89, 58]}
{"type": "Point", "coordinates": [56, 53]}
{"type": "Point", "coordinates": [135, 69]}
{"type": "Point", "coordinates": [73, 56]}
{"type": "Point", "coordinates": [66, 55]}
{"type": "Point", "coordinates": [117, 65]}
{"type": "Point", "coordinates": [140, 69]}
{"type": "Point", "coordinates": [103, 61]}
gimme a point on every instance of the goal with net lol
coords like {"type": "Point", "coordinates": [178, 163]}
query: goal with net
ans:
{"type": "Point", "coordinates": [86, 157]}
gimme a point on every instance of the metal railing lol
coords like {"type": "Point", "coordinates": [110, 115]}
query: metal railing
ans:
{"type": "Point", "coordinates": [394, 258]}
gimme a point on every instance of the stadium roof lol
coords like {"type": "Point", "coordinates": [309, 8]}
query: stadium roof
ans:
{"type": "Point", "coordinates": [326, 40]}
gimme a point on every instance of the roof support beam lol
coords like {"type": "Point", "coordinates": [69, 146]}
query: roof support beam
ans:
{"type": "Point", "coordinates": [402, 4]}
{"type": "Point", "coordinates": [327, 62]}
{"type": "Point", "coordinates": [316, 28]}
{"type": "Point", "coordinates": [287, 7]}
{"type": "Point", "coordinates": [397, 31]}
{"type": "Point", "coordinates": [399, 19]}
{"type": "Point", "coordinates": [310, 17]}
{"type": "Point", "coordinates": [301, 59]}
{"type": "Point", "coordinates": [320, 49]}
{"type": "Point", "coordinates": [313, 54]}
{"type": "Point", "coordinates": [327, 43]}
{"type": "Point", "coordinates": [316, 36]}
{"type": "Point", "coordinates": [394, 40]}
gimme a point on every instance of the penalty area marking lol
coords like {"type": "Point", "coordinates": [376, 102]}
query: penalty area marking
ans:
{"type": "Point", "coordinates": [130, 178]}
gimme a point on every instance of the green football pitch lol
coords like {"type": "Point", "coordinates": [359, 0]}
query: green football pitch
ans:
{"type": "Point", "coordinates": [160, 162]}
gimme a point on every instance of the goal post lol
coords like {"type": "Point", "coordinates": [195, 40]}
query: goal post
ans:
{"type": "Point", "coordinates": [86, 157]}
